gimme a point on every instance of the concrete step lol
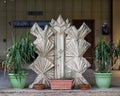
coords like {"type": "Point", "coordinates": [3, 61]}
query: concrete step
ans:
{"type": "Point", "coordinates": [49, 92]}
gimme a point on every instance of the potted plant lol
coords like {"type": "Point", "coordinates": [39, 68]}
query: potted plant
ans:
{"type": "Point", "coordinates": [39, 86]}
{"type": "Point", "coordinates": [62, 83]}
{"type": "Point", "coordinates": [19, 54]}
{"type": "Point", "coordinates": [103, 58]}
{"type": "Point", "coordinates": [84, 86]}
{"type": "Point", "coordinates": [116, 58]}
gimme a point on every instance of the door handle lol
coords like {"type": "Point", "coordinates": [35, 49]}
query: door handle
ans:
{"type": "Point", "coordinates": [4, 40]}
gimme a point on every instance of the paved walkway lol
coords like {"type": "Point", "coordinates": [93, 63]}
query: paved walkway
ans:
{"type": "Point", "coordinates": [46, 92]}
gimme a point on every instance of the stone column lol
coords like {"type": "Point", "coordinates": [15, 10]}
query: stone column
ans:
{"type": "Point", "coordinates": [59, 55]}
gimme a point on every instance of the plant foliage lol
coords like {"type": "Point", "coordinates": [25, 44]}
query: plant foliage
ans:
{"type": "Point", "coordinates": [103, 56]}
{"type": "Point", "coordinates": [117, 52]}
{"type": "Point", "coordinates": [18, 54]}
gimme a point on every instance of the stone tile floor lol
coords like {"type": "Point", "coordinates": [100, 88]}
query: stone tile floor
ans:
{"type": "Point", "coordinates": [48, 92]}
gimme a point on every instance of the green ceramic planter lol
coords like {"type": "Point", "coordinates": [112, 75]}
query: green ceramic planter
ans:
{"type": "Point", "coordinates": [103, 80]}
{"type": "Point", "coordinates": [18, 81]}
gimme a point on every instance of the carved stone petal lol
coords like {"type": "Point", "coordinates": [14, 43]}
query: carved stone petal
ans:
{"type": "Point", "coordinates": [36, 30]}
{"type": "Point", "coordinates": [60, 25]}
{"type": "Point", "coordinates": [44, 46]}
{"type": "Point", "coordinates": [79, 79]}
{"type": "Point", "coordinates": [78, 64]}
{"type": "Point", "coordinates": [83, 30]}
{"type": "Point", "coordinates": [76, 48]}
{"type": "Point", "coordinates": [41, 65]}
{"type": "Point", "coordinates": [72, 48]}
{"type": "Point", "coordinates": [44, 68]}
{"type": "Point", "coordinates": [72, 32]}
{"type": "Point", "coordinates": [83, 46]}
{"type": "Point", "coordinates": [78, 34]}
{"type": "Point", "coordinates": [43, 78]}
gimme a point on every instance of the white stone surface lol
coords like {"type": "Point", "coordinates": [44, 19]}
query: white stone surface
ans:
{"type": "Point", "coordinates": [76, 46]}
{"type": "Point", "coordinates": [60, 49]}
{"type": "Point", "coordinates": [44, 63]}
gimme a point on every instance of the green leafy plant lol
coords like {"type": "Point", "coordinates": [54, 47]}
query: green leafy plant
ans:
{"type": "Point", "coordinates": [117, 52]}
{"type": "Point", "coordinates": [116, 57]}
{"type": "Point", "coordinates": [103, 56]}
{"type": "Point", "coordinates": [19, 54]}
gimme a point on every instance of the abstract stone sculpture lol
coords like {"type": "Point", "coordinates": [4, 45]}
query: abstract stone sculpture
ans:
{"type": "Point", "coordinates": [60, 49]}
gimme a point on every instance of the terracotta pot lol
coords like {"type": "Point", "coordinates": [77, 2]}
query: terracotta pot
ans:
{"type": "Point", "coordinates": [38, 86]}
{"type": "Point", "coordinates": [84, 86]}
{"type": "Point", "coordinates": [61, 84]}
